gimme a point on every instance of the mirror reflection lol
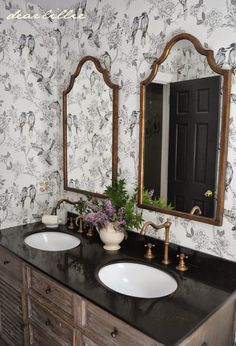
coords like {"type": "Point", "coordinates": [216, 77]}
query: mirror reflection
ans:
{"type": "Point", "coordinates": [181, 131]}
{"type": "Point", "coordinates": [89, 118]}
{"type": "Point", "coordinates": [180, 135]}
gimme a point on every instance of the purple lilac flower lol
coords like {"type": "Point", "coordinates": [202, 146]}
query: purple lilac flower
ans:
{"type": "Point", "coordinates": [96, 218]}
{"type": "Point", "coordinates": [121, 223]}
{"type": "Point", "coordinates": [102, 217]}
{"type": "Point", "coordinates": [109, 208]}
{"type": "Point", "coordinates": [91, 218]}
{"type": "Point", "coordinates": [103, 212]}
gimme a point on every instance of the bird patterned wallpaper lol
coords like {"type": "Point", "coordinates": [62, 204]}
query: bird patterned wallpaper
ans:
{"type": "Point", "coordinates": [30, 116]}
{"type": "Point", "coordinates": [37, 59]}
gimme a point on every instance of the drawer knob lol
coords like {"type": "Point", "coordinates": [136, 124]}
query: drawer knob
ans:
{"type": "Point", "coordinates": [6, 262]}
{"type": "Point", "coordinates": [114, 333]}
{"type": "Point", "coordinates": [48, 290]}
{"type": "Point", "coordinates": [22, 326]}
{"type": "Point", "coordinates": [48, 322]}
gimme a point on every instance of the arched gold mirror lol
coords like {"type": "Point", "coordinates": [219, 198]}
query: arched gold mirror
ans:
{"type": "Point", "coordinates": [184, 120]}
{"type": "Point", "coordinates": [90, 129]}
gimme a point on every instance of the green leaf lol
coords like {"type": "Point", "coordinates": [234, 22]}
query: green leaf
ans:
{"type": "Point", "coordinates": [120, 198]}
{"type": "Point", "coordinates": [155, 202]}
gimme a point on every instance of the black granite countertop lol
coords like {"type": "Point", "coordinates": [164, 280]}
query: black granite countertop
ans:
{"type": "Point", "coordinates": [201, 290]}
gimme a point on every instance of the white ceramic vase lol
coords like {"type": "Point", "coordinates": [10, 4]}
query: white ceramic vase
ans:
{"type": "Point", "coordinates": [111, 238]}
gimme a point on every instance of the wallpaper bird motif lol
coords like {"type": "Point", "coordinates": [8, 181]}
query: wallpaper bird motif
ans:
{"type": "Point", "coordinates": [30, 118]}
{"type": "Point", "coordinates": [37, 59]}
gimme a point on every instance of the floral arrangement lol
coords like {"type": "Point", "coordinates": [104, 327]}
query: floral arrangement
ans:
{"type": "Point", "coordinates": [118, 208]}
{"type": "Point", "coordinates": [102, 213]}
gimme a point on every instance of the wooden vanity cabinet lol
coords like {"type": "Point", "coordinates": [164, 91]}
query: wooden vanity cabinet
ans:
{"type": "Point", "coordinates": [37, 311]}
{"type": "Point", "coordinates": [69, 320]}
{"type": "Point", "coordinates": [13, 311]}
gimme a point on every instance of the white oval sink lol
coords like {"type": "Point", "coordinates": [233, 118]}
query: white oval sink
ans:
{"type": "Point", "coordinates": [137, 280]}
{"type": "Point", "coordinates": [52, 241]}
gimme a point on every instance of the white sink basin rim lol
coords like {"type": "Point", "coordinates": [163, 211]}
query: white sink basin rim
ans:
{"type": "Point", "coordinates": [52, 241]}
{"type": "Point", "coordinates": [137, 280]}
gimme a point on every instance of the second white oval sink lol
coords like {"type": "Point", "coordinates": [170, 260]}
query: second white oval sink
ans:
{"type": "Point", "coordinates": [52, 241]}
{"type": "Point", "coordinates": [137, 280]}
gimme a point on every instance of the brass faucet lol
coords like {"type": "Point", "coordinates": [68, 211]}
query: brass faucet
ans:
{"type": "Point", "coordinates": [165, 225]}
{"type": "Point", "coordinates": [57, 206]}
{"type": "Point", "coordinates": [196, 210]}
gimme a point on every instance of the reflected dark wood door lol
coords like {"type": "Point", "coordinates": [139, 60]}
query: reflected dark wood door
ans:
{"type": "Point", "coordinates": [153, 138]}
{"type": "Point", "coordinates": [194, 123]}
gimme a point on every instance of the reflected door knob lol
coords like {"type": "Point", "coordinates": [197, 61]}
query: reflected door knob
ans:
{"type": "Point", "coordinates": [208, 194]}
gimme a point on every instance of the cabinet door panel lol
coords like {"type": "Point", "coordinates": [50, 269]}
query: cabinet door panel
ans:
{"type": "Point", "coordinates": [11, 268]}
{"type": "Point", "coordinates": [87, 342]}
{"type": "Point", "coordinates": [106, 330]}
{"type": "Point", "coordinates": [54, 295]}
{"type": "Point", "coordinates": [50, 323]}
{"type": "Point", "coordinates": [12, 326]}
{"type": "Point", "coordinates": [38, 337]}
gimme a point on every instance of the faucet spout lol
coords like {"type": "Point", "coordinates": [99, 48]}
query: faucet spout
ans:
{"type": "Point", "coordinates": [165, 225]}
{"type": "Point", "coordinates": [196, 210]}
{"type": "Point", "coordinates": [150, 223]}
{"type": "Point", "coordinates": [57, 206]}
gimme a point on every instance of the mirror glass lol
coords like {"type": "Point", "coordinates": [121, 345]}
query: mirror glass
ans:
{"type": "Point", "coordinates": [181, 134]}
{"type": "Point", "coordinates": [89, 118]}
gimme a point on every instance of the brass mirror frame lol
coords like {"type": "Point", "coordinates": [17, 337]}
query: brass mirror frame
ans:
{"type": "Point", "coordinates": [223, 135]}
{"type": "Point", "coordinates": [115, 89]}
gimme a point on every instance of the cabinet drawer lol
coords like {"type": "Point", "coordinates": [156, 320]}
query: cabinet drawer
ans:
{"type": "Point", "coordinates": [105, 329]}
{"type": "Point", "coordinates": [38, 337]}
{"type": "Point", "coordinates": [53, 325]}
{"type": "Point", "coordinates": [85, 341]}
{"type": "Point", "coordinates": [59, 299]}
{"type": "Point", "coordinates": [11, 267]}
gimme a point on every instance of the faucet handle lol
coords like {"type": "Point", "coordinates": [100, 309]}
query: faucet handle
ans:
{"type": "Point", "coordinates": [71, 225]}
{"type": "Point", "coordinates": [182, 266]}
{"type": "Point", "coordinates": [149, 254]}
